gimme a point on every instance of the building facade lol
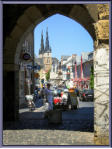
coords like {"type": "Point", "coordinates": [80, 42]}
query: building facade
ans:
{"type": "Point", "coordinates": [54, 71]}
{"type": "Point", "coordinates": [68, 67]}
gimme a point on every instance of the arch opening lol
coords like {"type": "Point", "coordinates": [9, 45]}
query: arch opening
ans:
{"type": "Point", "coordinates": [84, 14]}
{"type": "Point", "coordinates": [47, 61]}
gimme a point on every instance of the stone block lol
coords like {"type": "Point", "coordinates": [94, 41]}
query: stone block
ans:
{"type": "Point", "coordinates": [101, 95]}
{"type": "Point", "coordinates": [10, 43]}
{"type": "Point", "coordinates": [17, 32]}
{"type": "Point", "coordinates": [103, 11]}
{"type": "Point", "coordinates": [102, 117]}
{"type": "Point", "coordinates": [101, 59]}
{"type": "Point", "coordinates": [92, 10]}
{"type": "Point", "coordinates": [33, 13]}
{"type": "Point", "coordinates": [8, 57]}
{"type": "Point", "coordinates": [101, 140]}
{"type": "Point", "coordinates": [100, 137]}
{"type": "Point", "coordinates": [102, 83]}
{"type": "Point", "coordinates": [102, 29]}
{"type": "Point", "coordinates": [9, 67]}
{"type": "Point", "coordinates": [101, 69]}
{"type": "Point", "coordinates": [77, 11]}
{"type": "Point", "coordinates": [24, 22]}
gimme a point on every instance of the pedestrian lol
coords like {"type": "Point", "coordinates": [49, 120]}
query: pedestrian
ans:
{"type": "Point", "coordinates": [42, 92]}
{"type": "Point", "coordinates": [77, 91]}
{"type": "Point", "coordinates": [36, 93]}
{"type": "Point", "coordinates": [42, 95]}
{"type": "Point", "coordinates": [49, 96]}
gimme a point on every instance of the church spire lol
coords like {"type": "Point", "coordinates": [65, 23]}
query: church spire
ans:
{"type": "Point", "coordinates": [42, 44]}
{"type": "Point", "coordinates": [47, 48]}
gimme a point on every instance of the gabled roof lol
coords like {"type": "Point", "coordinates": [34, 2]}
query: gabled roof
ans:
{"type": "Point", "coordinates": [65, 57]}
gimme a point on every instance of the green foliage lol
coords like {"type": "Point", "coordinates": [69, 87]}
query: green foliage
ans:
{"type": "Point", "coordinates": [92, 78]}
{"type": "Point", "coordinates": [48, 75]}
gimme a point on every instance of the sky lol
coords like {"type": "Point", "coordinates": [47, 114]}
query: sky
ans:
{"type": "Point", "coordinates": [66, 36]}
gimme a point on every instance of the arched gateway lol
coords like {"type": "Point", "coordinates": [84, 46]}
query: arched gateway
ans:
{"type": "Point", "coordinates": [17, 24]}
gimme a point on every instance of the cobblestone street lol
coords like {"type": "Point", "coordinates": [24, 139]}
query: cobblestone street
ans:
{"type": "Point", "coordinates": [33, 129]}
{"type": "Point", "coordinates": [47, 137]}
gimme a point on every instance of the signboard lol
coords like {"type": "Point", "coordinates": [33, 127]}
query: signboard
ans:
{"type": "Point", "coordinates": [37, 67]}
{"type": "Point", "coordinates": [29, 66]}
{"type": "Point", "coordinates": [26, 56]}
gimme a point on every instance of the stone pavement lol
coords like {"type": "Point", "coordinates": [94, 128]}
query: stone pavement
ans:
{"type": "Point", "coordinates": [47, 137]}
{"type": "Point", "coordinates": [33, 129]}
{"type": "Point", "coordinates": [40, 132]}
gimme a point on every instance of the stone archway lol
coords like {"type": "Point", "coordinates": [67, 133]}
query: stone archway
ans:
{"type": "Point", "coordinates": [96, 22]}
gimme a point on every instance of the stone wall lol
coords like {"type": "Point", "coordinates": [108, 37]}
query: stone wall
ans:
{"type": "Point", "coordinates": [101, 79]}
{"type": "Point", "coordinates": [101, 95]}
{"type": "Point", "coordinates": [23, 88]}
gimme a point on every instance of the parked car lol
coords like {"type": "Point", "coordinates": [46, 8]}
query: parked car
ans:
{"type": "Point", "coordinates": [86, 95]}
{"type": "Point", "coordinates": [67, 100]}
{"type": "Point", "coordinates": [81, 93]}
{"type": "Point", "coordinates": [89, 95]}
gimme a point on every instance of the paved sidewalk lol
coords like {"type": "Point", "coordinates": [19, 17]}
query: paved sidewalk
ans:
{"type": "Point", "coordinates": [34, 129]}
{"type": "Point", "coordinates": [40, 132]}
{"type": "Point", "coordinates": [47, 137]}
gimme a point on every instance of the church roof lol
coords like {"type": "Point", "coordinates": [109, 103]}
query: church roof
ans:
{"type": "Point", "coordinates": [47, 47]}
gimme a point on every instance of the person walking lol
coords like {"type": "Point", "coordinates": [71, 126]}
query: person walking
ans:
{"type": "Point", "coordinates": [49, 96]}
{"type": "Point", "coordinates": [36, 94]}
{"type": "Point", "coordinates": [42, 94]}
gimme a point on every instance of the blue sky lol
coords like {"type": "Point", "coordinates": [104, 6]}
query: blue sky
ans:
{"type": "Point", "coordinates": [66, 36]}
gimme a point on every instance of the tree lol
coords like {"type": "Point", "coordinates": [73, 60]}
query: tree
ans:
{"type": "Point", "coordinates": [48, 75]}
{"type": "Point", "coordinates": [92, 78]}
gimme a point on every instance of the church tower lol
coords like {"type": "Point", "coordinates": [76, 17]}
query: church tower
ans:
{"type": "Point", "coordinates": [47, 42]}
{"type": "Point", "coordinates": [47, 57]}
{"type": "Point", "coordinates": [41, 50]}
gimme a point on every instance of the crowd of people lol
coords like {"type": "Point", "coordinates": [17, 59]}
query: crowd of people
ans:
{"type": "Point", "coordinates": [46, 95]}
